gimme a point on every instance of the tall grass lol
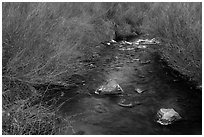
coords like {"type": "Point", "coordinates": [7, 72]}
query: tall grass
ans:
{"type": "Point", "coordinates": [179, 26]}
{"type": "Point", "coordinates": [41, 40]}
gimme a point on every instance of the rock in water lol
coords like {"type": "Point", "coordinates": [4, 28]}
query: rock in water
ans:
{"type": "Point", "coordinates": [124, 103]}
{"type": "Point", "coordinates": [167, 116]}
{"type": "Point", "coordinates": [138, 90]}
{"type": "Point", "coordinates": [109, 88]}
{"type": "Point", "coordinates": [100, 108]}
{"type": "Point", "coordinates": [129, 104]}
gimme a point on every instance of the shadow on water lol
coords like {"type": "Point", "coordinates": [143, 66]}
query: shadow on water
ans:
{"type": "Point", "coordinates": [101, 114]}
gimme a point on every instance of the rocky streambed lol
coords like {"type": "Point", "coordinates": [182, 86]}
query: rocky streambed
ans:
{"type": "Point", "coordinates": [124, 89]}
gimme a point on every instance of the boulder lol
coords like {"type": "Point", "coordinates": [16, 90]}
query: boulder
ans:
{"type": "Point", "coordinates": [167, 116]}
{"type": "Point", "coordinates": [110, 87]}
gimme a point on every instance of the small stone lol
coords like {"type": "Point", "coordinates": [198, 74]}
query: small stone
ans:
{"type": "Point", "coordinates": [111, 87]}
{"type": "Point", "coordinates": [62, 94]}
{"type": "Point", "coordinates": [167, 116]}
{"type": "Point", "coordinates": [175, 80]}
{"type": "Point", "coordinates": [125, 103]}
{"type": "Point", "coordinates": [113, 41]}
{"type": "Point", "coordinates": [100, 108]}
{"type": "Point", "coordinates": [138, 90]}
{"type": "Point", "coordinates": [91, 65]}
{"type": "Point", "coordinates": [136, 59]}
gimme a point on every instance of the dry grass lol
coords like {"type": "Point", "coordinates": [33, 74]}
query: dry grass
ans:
{"type": "Point", "coordinates": [41, 43]}
{"type": "Point", "coordinates": [42, 40]}
{"type": "Point", "coordinates": [25, 111]}
{"type": "Point", "coordinates": [179, 26]}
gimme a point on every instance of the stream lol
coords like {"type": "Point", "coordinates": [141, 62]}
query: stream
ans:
{"type": "Point", "coordinates": [132, 68]}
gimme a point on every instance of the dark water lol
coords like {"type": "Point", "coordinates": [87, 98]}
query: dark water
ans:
{"type": "Point", "coordinates": [88, 113]}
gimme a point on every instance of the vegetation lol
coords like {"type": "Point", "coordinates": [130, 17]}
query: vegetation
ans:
{"type": "Point", "coordinates": [44, 42]}
{"type": "Point", "coordinates": [179, 27]}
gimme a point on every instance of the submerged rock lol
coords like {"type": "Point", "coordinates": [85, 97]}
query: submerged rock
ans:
{"type": "Point", "coordinates": [126, 105]}
{"type": "Point", "coordinates": [167, 116]}
{"type": "Point", "coordinates": [129, 104]}
{"type": "Point", "coordinates": [100, 108]}
{"type": "Point", "coordinates": [111, 87]}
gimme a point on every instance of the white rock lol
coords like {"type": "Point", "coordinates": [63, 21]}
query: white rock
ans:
{"type": "Point", "coordinates": [110, 87]}
{"type": "Point", "coordinates": [142, 46]}
{"type": "Point", "coordinates": [128, 42]}
{"type": "Point", "coordinates": [136, 59]}
{"type": "Point", "coordinates": [139, 90]}
{"type": "Point", "coordinates": [167, 116]}
{"type": "Point", "coordinates": [113, 41]}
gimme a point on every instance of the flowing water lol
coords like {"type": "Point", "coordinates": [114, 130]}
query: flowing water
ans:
{"type": "Point", "coordinates": [132, 69]}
